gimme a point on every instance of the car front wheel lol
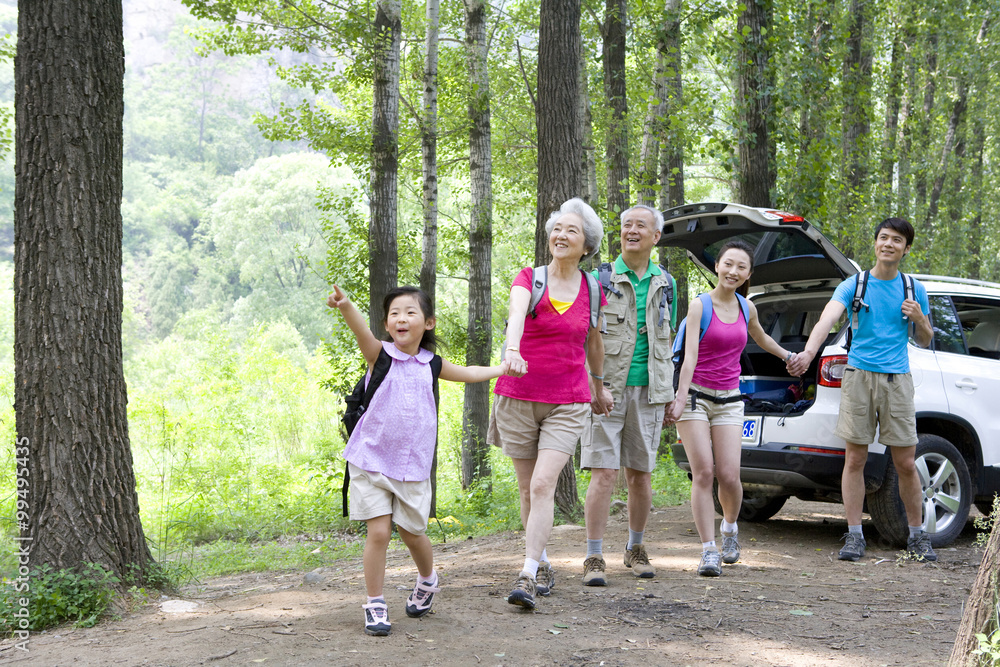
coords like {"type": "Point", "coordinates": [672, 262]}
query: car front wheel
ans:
{"type": "Point", "coordinates": [946, 495]}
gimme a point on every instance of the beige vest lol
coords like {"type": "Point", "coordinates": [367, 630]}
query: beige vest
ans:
{"type": "Point", "coordinates": [619, 341]}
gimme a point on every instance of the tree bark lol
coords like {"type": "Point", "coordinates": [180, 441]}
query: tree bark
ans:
{"type": "Point", "coordinates": [428, 144]}
{"type": "Point", "coordinates": [479, 345]}
{"type": "Point", "coordinates": [560, 148]}
{"type": "Point", "coordinates": [616, 146]}
{"type": "Point", "coordinates": [975, 236]}
{"type": "Point", "coordinates": [756, 177]}
{"type": "Point", "coordinates": [950, 138]}
{"type": "Point", "coordinates": [923, 129]}
{"type": "Point", "coordinates": [905, 176]}
{"type": "Point", "coordinates": [560, 138]}
{"type": "Point", "coordinates": [892, 106]}
{"type": "Point", "coordinates": [70, 394]}
{"type": "Point", "coordinates": [857, 75]}
{"type": "Point", "coordinates": [383, 259]}
{"type": "Point", "coordinates": [586, 120]}
{"type": "Point", "coordinates": [980, 606]}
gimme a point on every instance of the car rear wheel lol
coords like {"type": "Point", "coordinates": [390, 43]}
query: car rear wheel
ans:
{"type": "Point", "coordinates": [946, 495]}
{"type": "Point", "coordinates": [756, 507]}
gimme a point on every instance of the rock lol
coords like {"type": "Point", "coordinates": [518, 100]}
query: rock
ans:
{"type": "Point", "coordinates": [313, 577]}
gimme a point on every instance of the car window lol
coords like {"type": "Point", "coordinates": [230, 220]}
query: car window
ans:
{"type": "Point", "coordinates": [768, 246]}
{"type": "Point", "coordinates": [948, 335]}
{"type": "Point", "coordinates": [980, 322]}
{"type": "Point", "coordinates": [792, 320]}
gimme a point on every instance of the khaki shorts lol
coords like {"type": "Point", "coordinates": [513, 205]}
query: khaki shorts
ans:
{"type": "Point", "coordinates": [716, 414]}
{"type": "Point", "coordinates": [629, 436]}
{"type": "Point", "coordinates": [373, 495]}
{"type": "Point", "coordinates": [869, 399]}
{"type": "Point", "coordinates": [521, 428]}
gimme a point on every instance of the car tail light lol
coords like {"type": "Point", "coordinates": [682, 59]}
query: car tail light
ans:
{"type": "Point", "coordinates": [788, 217]}
{"type": "Point", "coordinates": [831, 370]}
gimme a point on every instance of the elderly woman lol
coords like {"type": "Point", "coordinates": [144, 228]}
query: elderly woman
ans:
{"type": "Point", "coordinates": [540, 416]}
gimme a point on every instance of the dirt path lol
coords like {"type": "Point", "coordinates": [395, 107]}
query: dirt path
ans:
{"type": "Point", "coordinates": [789, 602]}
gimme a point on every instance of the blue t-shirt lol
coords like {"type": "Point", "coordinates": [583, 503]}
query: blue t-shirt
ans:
{"type": "Point", "coordinates": [879, 344]}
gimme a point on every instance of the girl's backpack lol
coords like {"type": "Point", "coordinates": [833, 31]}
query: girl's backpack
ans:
{"type": "Point", "coordinates": [359, 400]}
{"type": "Point", "coordinates": [706, 319]}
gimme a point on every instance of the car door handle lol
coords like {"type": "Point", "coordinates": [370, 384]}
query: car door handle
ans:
{"type": "Point", "coordinates": [966, 384]}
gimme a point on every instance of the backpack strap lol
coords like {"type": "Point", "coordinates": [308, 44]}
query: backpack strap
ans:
{"type": "Point", "coordinates": [909, 293]}
{"type": "Point", "coordinates": [539, 279]}
{"type": "Point", "coordinates": [604, 272]}
{"type": "Point", "coordinates": [594, 289]}
{"type": "Point", "coordinates": [379, 370]}
{"type": "Point", "coordinates": [666, 298]}
{"type": "Point", "coordinates": [857, 303]}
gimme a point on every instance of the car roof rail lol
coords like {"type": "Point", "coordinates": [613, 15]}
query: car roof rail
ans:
{"type": "Point", "coordinates": [957, 281]}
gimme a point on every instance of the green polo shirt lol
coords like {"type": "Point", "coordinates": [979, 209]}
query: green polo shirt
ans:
{"type": "Point", "coordinates": [638, 373]}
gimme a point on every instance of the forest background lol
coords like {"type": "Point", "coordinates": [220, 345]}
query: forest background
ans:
{"type": "Point", "coordinates": [247, 180]}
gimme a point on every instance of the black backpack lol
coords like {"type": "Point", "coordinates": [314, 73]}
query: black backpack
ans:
{"type": "Point", "coordinates": [858, 302]}
{"type": "Point", "coordinates": [359, 400]}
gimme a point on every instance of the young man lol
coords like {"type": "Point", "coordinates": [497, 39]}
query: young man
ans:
{"type": "Point", "coordinates": [637, 384]}
{"type": "Point", "coordinates": [877, 389]}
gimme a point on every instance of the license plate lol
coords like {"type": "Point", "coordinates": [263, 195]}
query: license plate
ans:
{"type": "Point", "coordinates": [751, 431]}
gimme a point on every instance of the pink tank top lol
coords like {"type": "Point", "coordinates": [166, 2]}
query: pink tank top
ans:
{"type": "Point", "coordinates": [719, 354]}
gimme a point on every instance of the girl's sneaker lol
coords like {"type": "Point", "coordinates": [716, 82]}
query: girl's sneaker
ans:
{"type": "Point", "coordinates": [377, 619]}
{"type": "Point", "coordinates": [420, 600]}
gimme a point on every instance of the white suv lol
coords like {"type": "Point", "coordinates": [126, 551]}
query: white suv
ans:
{"type": "Point", "coordinates": [789, 448]}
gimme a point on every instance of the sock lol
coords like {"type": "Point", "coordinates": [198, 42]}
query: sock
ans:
{"type": "Point", "coordinates": [530, 567]}
{"type": "Point", "coordinates": [634, 538]}
{"type": "Point", "coordinates": [544, 558]}
{"type": "Point", "coordinates": [432, 580]}
{"type": "Point", "coordinates": [728, 528]}
{"type": "Point", "coordinates": [855, 529]}
{"type": "Point", "coordinates": [709, 546]}
{"type": "Point", "coordinates": [915, 531]}
{"type": "Point", "coordinates": [595, 548]}
{"type": "Point", "coordinates": [377, 598]}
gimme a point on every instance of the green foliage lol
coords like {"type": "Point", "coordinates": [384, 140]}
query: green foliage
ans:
{"type": "Point", "coordinates": [58, 596]}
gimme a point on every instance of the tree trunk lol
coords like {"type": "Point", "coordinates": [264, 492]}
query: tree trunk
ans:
{"type": "Point", "coordinates": [950, 137]}
{"type": "Point", "coordinates": [586, 120]}
{"type": "Point", "coordinates": [70, 394]}
{"type": "Point", "coordinates": [428, 144]}
{"type": "Point", "coordinates": [892, 104]}
{"type": "Point", "coordinates": [756, 177]}
{"type": "Point", "coordinates": [560, 146]}
{"type": "Point", "coordinates": [975, 236]}
{"type": "Point", "coordinates": [905, 177]}
{"type": "Point", "coordinates": [923, 129]}
{"type": "Point", "coordinates": [617, 133]}
{"type": "Point", "coordinates": [479, 345]}
{"type": "Point", "coordinates": [383, 260]}
{"type": "Point", "coordinates": [857, 74]}
{"type": "Point", "coordinates": [980, 606]}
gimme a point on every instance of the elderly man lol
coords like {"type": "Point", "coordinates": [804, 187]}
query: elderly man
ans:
{"type": "Point", "coordinates": [624, 429]}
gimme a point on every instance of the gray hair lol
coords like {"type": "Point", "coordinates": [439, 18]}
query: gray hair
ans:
{"type": "Point", "coordinates": [657, 216]}
{"type": "Point", "coordinates": [593, 229]}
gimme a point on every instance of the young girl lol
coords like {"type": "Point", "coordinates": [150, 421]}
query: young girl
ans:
{"type": "Point", "coordinates": [708, 409]}
{"type": "Point", "coordinates": [390, 452]}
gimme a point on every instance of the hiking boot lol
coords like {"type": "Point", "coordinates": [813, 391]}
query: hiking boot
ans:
{"type": "Point", "coordinates": [711, 563]}
{"type": "Point", "coordinates": [919, 547]}
{"type": "Point", "coordinates": [377, 619]}
{"type": "Point", "coordinates": [420, 600]}
{"type": "Point", "coordinates": [637, 559]}
{"type": "Point", "coordinates": [523, 594]}
{"type": "Point", "coordinates": [593, 572]}
{"type": "Point", "coordinates": [730, 548]}
{"type": "Point", "coordinates": [545, 580]}
{"type": "Point", "coordinates": [854, 547]}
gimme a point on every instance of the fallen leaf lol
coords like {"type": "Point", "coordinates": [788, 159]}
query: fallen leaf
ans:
{"type": "Point", "coordinates": [800, 612]}
{"type": "Point", "coordinates": [555, 632]}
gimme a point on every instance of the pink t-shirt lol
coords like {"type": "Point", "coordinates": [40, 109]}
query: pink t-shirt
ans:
{"type": "Point", "coordinates": [396, 434]}
{"type": "Point", "coordinates": [554, 346]}
{"type": "Point", "coordinates": [719, 354]}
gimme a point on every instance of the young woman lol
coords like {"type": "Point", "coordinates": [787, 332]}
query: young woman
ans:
{"type": "Point", "coordinates": [708, 408]}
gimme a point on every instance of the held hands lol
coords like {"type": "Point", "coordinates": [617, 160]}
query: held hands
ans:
{"type": "Point", "coordinates": [603, 402]}
{"type": "Point", "coordinates": [338, 299]}
{"type": "Point", "coordinates": [674, 410]}
{"type": "Point", "coordinates": [507, 368]}
{"type": "Point", "coordinates": [798, 364]}
{"type": "Point", "coordinates": [515, 364]}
